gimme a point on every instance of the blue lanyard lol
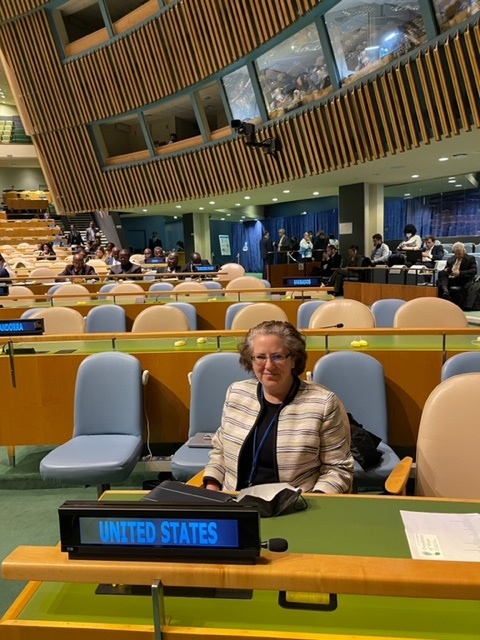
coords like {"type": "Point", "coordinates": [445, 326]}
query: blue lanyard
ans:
{"type": "Point", "coordinates": [257, 451]}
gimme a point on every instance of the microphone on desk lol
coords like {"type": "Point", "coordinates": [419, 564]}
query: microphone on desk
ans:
{"type": "Point", "coordinates": [339, 325]}
{"type": "Point", "coordinates": [275, 544]}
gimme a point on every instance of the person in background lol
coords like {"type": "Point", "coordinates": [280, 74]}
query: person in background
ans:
{"type": "Point", "coordinates": [172, 264]}
{"type": "Point", "coordinates": [266, 252]}
{"type": "Point", "coordinates": [154, 241]}
{"type": "Point", "coordinates": [339, 275]}
{"type": "Point", "coordinates": [91, 232]}
{"type": "Point", "coordinates": [277, 427]}
{"type": "Point", "coordinates": [195, 259]}
{"type": "Point", "coordinates": [412, 239]}
{"type": "Point", "coordinates": [113, 259]}
{"type": "Point", "coordinates": [100, 254]}
{"type": "Point", "coordinates": [158, 255]}
{"type": "Point", "coordinates": [108, 250]}
{"type": "Point", "coordinates": [306, 247]}
{"type": "Point", "coordinates": [5, 270]}
{"type": "Point", "coordinates": [147, 256]}
{"type": "Point", "coordinates": [77, 271]}
{"type": "Point", "coordinates": [126, 267]}
{"type": "Point", "coordinates": [48, 252]}
{"type": "Point", "coordinates": [39, 248]}
{"type": "Point", "coordinates": [459, 271]}
{"type": "Point", "coordinates": [173, 138]}
{"type": "Point", "coordinates": [319, 245]}
{"type": "Point", "coordinates": [380, 252]}
{"type": "Point", "coordinates": [431, 252]}
{"type": "Point", "coordinates": [331, 260]}
{"type": "Point", "coordinates": [283, 247]}
{"type": "Point", "coordinates": [74, 237]}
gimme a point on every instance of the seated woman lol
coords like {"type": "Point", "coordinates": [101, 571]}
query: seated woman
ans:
{"type": "Point", "coordinates": [278, 428]}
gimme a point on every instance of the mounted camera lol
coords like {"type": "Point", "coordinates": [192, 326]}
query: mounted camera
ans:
{"type": "Point", "coordinates": [270, 145]}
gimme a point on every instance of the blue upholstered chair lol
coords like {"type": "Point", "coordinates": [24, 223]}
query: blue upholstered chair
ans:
{"type": "Point", "coordinates": [107, 424]}
{"type": "Point", "coordinates": [158, 287]}
{"type": "Point", "coordinates": [189, 310]}
{"type": "Point", "coordinates": [210, 378]}
{"type": "Point", "coordinates": [215, 287]}
{"type": "Point", "coordinates": [106, 319]}
{"type": "Point", "coordinates": [467, 362]}
{"type": "Point", "coordinates": [384, 311]}
{"type": "Point", "coordinates": [105, 288]}
{"type": "Point", "coordinates": [305, 312]}
{"type": "Point", "coordinates": [359, 381]}
{"type": "Point", "coordinates": [232, 311]}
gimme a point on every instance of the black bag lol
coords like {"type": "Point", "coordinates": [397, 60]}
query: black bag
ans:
{"type": "Point", "coordinates": [364, 445]}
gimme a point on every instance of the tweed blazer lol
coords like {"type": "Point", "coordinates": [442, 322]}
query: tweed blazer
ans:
{"type": "Point", "coordinates": [313, 438]}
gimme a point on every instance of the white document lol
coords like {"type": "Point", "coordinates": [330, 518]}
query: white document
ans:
{"type": "Point", "coordinates": [443, 536]}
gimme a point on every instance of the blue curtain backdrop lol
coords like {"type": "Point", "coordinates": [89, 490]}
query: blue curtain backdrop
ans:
{"type": "Point", "coordinates": [246, 235]}
{"type": "Point", "coordinates": [442, 215]}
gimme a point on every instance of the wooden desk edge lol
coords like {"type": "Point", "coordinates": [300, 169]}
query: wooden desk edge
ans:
{"type": "Point", "coordinates": [283, 571]}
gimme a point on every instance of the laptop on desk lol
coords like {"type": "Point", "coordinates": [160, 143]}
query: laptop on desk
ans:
{"type": "Point", "coordinates": [413, 256]}
{"type": "Point", "coordinates": [201, 440]}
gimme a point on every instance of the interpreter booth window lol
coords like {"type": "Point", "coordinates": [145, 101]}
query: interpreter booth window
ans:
{"type": "Point", "coordinates": [367, 36]}
{"type": "Point", "coordinates": [118, 10]}
{"type": "Point", "coordinates": [293, 73]}
{"type": "Point", "coordinates": [173, 125]}
{"type": "Point", "coordinates": [211, 103]}
{"type": "Point", "coordinates": [76, 20]}
{"type": "Point", "coordinates": [121, 140]}
{"type": "Point", "coordinates": [241, 96]}
{"type": "Point", "coordinates": [452, 12]}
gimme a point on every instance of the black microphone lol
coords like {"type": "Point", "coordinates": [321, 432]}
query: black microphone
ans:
{"type": "Point", "coordinates": [339, 325]}
{"type": "Point", "coordinates": [275, 544]}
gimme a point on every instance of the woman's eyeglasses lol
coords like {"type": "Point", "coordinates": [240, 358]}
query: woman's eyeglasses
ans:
{"type": "Point", "coordinates": [276, 358]}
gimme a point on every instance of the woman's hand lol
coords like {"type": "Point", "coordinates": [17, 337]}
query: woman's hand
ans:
{"type": "Point", "coordinates": [212, 486]}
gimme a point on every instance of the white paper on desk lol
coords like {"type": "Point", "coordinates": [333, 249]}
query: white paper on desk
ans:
{"type": "Point", "coordinates": [443, 536]}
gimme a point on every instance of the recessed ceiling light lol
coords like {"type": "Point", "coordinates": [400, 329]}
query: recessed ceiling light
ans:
{"type": "Point", "coordinates": [458, 185]}
{"type": "Point", "coordinates": [452, 181]}
{"type": "Point", "coordinates": [442, 159]}
{"type": "Point", "coordinates": [237, 204]}
{"type": "Point", "coordinates": [243, 217]}
{"type": "Point", "coordinates": [201, 208]}
{"type": "Point", "coordinates": [415, 175]}
{"type": "Point", "coordinates": [145, 210]}
{"type": "Point", "coordinates": [451, 178]}
{"type": "Point", "coordinates": [247, 198]}
{"type": "Point", "coordinates": [175, 217]}
{"type": "Point", "coordinates": [178, 206]}
{"type": "Point", "coordinates": [222, 218]}
{"type": "Point", "coordinates": [286, 191]}
{"type": "Point", "coordinates": [229, 214]}
{"type": "Point", "coordinates": [274, 199]}
{"type": "Point", "coordinates": [212, 202]}
{"type": "Point", "coordinates": [406, 195]}
{"type": "Point", "coordinates": [316, 193]}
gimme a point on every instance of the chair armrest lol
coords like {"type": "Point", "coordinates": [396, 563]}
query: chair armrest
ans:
{"type": "Point", "coordinates": [396, 482]}
{"type": "Point", "coordinates": [197, 480]}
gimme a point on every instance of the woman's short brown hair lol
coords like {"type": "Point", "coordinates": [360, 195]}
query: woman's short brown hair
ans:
{"type": "Point", "coordinates": [294, 341]}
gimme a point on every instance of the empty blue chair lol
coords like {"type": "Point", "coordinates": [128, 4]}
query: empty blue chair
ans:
{"type": "Point", "coordinates": [107, 424]}
{"type": "Point", "coordinates": [305, 312]}
{"type": "Point", "coordinates": [467, 362]}
{"type": "Point", "coordinates": [385, 310]}
{"type": "Point", "coordinates": [232, 311]}
{"type": "Point", "coordinates": [105, 288]}
{"type": "Point", "coordinates": [210, 378]}
{"type": "Point", "coordinates": [160, 286]}
{"type": "Point", "coordinates": [189, 310]}
{"type": "Point", "coordinates": [215, 287]}
{"type": "Point", "coordinates": [359, 381]}
{"type": "Point", "coordinates": [106, 319]}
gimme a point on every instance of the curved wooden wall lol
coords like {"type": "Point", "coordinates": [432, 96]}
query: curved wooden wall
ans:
{"type": "Point", "coordinates": [433, 95]}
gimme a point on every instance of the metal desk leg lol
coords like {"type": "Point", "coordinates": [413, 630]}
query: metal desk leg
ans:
{"type": "Point", "coordinates": [158, 609]}
{"type": "Point", "coordinates": [11, 455]}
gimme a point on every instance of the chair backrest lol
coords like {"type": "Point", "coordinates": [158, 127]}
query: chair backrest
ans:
{"type": "Point", "coordinates": [61, 320]}
{"type": "Point", "coordinates": [70, 289]}
{"type": "Point", "coordinates": [189, 310]}
{"type": "Point", "coordinates": [230, 271]}
{"type": "Point", "coordinates": [448, 443]}
{"type": "Point", "coordinates": [158, 287]}
{"type": "Point", "coordinates": [359, 381]}
{"type": "Point", "coordinates": [246, 283]}
{"type": "Point", "coordinates": [305, 311]}
{"type": "Point", "coordinates": [126, 292]}
{"type": "Point", "coordinates": [430, 312]}
{"type": "Point", "coordinates": [43, 274]}
{"type": "Point", "coordinates": [18, 290]}
{"type": "Point", "coordinates": [467, 362]}
{"type": "Point", "coordinates": [199, 290]}
{"type": "Point", "coordinates": [384, 311]}
{"type": "Point", "coordinates": [211, 376]}
{"type": "Point", "coordinates": [232, 311]}
{"type": "Point", "coordinates": [161, 318]}
{"type": "Point", "coordinates": [215, 286]}
{"type": "Point", "coordinates": [106, 318]}
{"type": "Point", "coordinates": [108, 395]}
{"type": "Point", "coordinates": [349, 312]}
{"type": "Point", "coordinates": [258, 312]}
{"type": "Point", "coordinates": [105, 288]}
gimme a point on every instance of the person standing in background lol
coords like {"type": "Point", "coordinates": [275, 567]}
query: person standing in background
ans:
{"type": "Point", "coordinates": [266, 252]}
{"type": "Point", "coordinates": [91, 232]}
{"type": "Point", "coordinates": [154, 241]}
{"type": "Point", "coordinates": [283, 247]}
{"type": "Point", "coordinates": [306, 247]}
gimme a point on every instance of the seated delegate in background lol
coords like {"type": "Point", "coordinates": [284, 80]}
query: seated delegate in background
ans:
{"type": "Point", "coordinates": [331, 260]}
{"type": "Point", "coordinates": [459, 271]}
{"type": "Point", "coordinates": [77, 270]}
{"type": "Point", "coordinates": [278, 428]}
{"type": "Point", "coordinates": [172, 264]}
{"type": "Point", "coordinates": [147, 256]}
{"type": "Point", "coordinates": [380, 252]}
{"type": "Point", "coordinates": [158, 256]}
{"type": "Point", "coordinates": [431, 252]}
{"type": "Point", "coordinates": [306, 247]}
{"type": "Point", "coordinates": [112, 259]}
{"type": "Point", "coordinates": [126, 267]}
{"type": "Point", "coordinates": [339, 275]}
{"type": "Point", "coordinates": [195, 260]}
{"type": "Point", "coordinates": [48, 252]}
{"type": "Point", "coordinates": [412, 241]}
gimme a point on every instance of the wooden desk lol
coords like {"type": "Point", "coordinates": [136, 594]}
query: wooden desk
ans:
{"type": "Point", "coordinates": [382, 593]}
{"type": "Point", "coordinates": [370, 292]}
